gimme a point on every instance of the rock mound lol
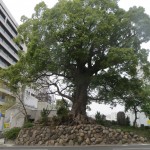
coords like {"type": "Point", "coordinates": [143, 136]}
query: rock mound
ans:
{"type": "Point", "coordinates": [76, 135]}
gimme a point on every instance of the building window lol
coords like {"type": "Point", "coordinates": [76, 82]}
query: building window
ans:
{"type": "Point", "coordinates": [2, 15]}
{"type": "Point", "coordinates": [11, 27]}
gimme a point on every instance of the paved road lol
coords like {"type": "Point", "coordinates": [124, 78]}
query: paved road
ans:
{"type": "Point", "coordinates": [134, 147]}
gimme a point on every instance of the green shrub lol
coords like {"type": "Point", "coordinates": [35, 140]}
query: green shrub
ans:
{"type": "Point", "coordinates": [127, 120]}
{"type": "Point", "coordinates": [62, 112]}
{"type": "Point", "coordinates": [28, 125]}
{"type": "Point", "coordinates": [100, 119]}
{"type": "Point", "coordinates": [44, 116]}
{"type": "Point", "coordinates": [63, 120]}
{"type": "Point", "coordinates": [56, 120]}
{"type": "Point", "coordinates": [62, 103]}
{"type": "Point", "coordinates": [12, 133]}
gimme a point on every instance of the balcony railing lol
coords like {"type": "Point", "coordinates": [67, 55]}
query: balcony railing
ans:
{"type": "Point", "coordinates": [6, 91]}
{"type": "Point", "coordinates": [9, 38]}
{"type": "Point", "coordinates": [2, 18]}
{"type": "Point", "coordinates": [6, 57]}
{"type": "Point", "coordinates": [2, 100]}
{"type": "Point", "coordinates": [3, 65]}
{"type": "Point", "coordinates": [8, 28]}
{"type": "Point", "coordinates": [9, 49]}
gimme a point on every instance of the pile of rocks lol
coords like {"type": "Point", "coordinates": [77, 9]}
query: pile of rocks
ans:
{"type": "Point", "coordinates": [76, 135]}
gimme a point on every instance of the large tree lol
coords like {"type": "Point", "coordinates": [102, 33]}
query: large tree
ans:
{"type": "Point", "coordinates": [83, 50]}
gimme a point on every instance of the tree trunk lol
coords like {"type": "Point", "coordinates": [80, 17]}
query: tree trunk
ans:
{"type": "Point", "coordinates": [80, 99]}
{"type": "Point", "coordinates": [135, 113]}
{"type": "Point", "coordinates": [21, 100]}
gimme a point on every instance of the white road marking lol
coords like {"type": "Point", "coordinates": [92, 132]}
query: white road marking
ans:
{"type": "Point", "coordinates": [132, 148]}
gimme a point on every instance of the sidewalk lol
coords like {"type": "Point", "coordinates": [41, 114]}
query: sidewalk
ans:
{"type": "Point", "coordinates": [2, 143]}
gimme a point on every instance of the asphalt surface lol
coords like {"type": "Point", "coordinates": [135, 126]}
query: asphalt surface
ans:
{"type": "Point", "coordinates": [125, 147]}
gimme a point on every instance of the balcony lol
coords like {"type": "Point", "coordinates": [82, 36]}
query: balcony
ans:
{"type": "Point", "coordinates": [2, 100]}
{"type": "Point", "coordinates": [8, 28]}
{"type": "Point", "coordinates": [8, 48]}
{"type": "Point", "coordinates": [5, 90]}
{"type": "Point", "coordinates": [2, 18]}
{"type": "Point", "coordinates": [8, 38]}
{"type": "Point", "coordinates": [7, 58]}
{"type": "Point", "coordinates": [3, 65]}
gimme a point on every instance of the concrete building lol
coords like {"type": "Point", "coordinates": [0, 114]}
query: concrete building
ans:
{"type": "Point", "coordinates": [8, 48]}
{"type": "Point", "coordinates": [9, 56]}
{"type": "Point", "coordinates": [142, 120]}
{"type": "Point", "coordinates": [8, 31]}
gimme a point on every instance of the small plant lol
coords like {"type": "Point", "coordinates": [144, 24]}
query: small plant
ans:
{"type": "Point", "coordinates": [44, 116]}
{"type": "Point", "coordinates": [62, 112]}
{"type": "Point", "coordinates": [28, 125]}
{"type": "Point", "coordinates": [56, 120]}
{"type": "Point", "coordinates": [127, 121]}
{"type": "Point", "coordinates": [113, 122]}
{"type": "Point", "coordinates": [12, 134]}
{"type": "Point", "coordinates": [100, 119]}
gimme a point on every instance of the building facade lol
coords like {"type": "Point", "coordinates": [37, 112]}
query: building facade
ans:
{"type": "Point", "coordinates": [142, 120]}
{"type": "Point", "coordinates": [8, 48]}
{"type": "Point", "coordinates": [8, 31]}
{"type": "Point", "coordinates": [9, 56]}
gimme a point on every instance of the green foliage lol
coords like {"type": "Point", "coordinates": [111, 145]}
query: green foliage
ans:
{"type": "Point", "coordinates": [12, 134]}
{"type": "Point", "coordinates": [86, 46]}
{"type": "Point", "coordinates": [63, 120]}
{"type": "Point", "coordinates": [56, 120]}
{"type": "Point", "coordinates": [100, 119]}
{"type": "Point", "coordinates": [62, 111]}
{"type": "Point", "coordinates": [127, 120]}
{"type": "Point", "coordinates": [62, 108]}
{"type": "Point", "coordinates": [28, 125]}
{"type": "Point", "coordinates": [138, 100]}
{"type": "Point", "coordinates": [8, 103]}
{"type": "Point", "coordinates": [113, 122]}
{"type": "Point", "coordinates": [121, 118]}
{"type": "Point", "coordinates": [145, 105]}
{"type": "Point", "coordinates": [62, 114]}
{"type": "Point", "coordinates": [44, 116]}
{"type": "Point", "coordinates": [62, 103]}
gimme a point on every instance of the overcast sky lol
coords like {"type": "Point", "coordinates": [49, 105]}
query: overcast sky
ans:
{"type": "Point", "coordinates": [26, 7]}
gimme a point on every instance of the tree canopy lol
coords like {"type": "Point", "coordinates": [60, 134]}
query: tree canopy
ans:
{"type": "Point", "coordinates": [84, 50]}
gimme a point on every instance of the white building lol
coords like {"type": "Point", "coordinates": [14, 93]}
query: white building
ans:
{"type": "Point", "coordinates": [9, 56]}
{"type": "Point", "coordinates": [8, 48]}
{"type": "Point", "coordinates": [142, 119]}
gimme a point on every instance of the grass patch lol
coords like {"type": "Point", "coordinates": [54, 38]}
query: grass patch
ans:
{"type": "Point", "coordinates": [12, 134]}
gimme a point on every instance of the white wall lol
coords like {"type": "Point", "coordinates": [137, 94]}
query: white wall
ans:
{"type": "Point", "coordinates": [29, 98]}
{"type": "Point", "coordinates": [1, 123]}
{"type": "Point", "coordinates": [38, 114]}
{"type": "Point", "coordinates": [142, 119]}
{"type": "Point", "coordinates": [14, 117]}
{"type": "Point", "coordinates": [42, 105]}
